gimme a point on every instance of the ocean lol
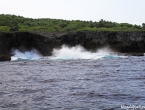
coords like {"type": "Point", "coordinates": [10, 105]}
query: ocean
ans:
{"type": "Point", "coordinates": [72, 79]}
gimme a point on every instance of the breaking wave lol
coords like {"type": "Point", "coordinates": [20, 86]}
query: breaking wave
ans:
{"type": "Point", "coordinates": [28, 55]}
{"type": "Point", "coordinates": [65, 53]}
{"type": "Point", "coordinates": [78, 52]}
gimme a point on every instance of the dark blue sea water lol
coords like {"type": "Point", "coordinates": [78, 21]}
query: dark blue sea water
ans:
{"type": "Point", "coordinates": [73, 84]}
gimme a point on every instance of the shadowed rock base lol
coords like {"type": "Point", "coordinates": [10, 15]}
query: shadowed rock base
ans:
{"type": "Point", "coordinates": [5, 58]}
{"type": "Point", "coordinates": [134, 54]}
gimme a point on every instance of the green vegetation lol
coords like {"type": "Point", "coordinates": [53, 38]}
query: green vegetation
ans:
{"type": "Point", "coordinates": [19, 23]}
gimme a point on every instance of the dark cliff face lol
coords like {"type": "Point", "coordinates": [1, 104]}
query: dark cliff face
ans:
{"type": "Point", "coordinates": [126, 42]}
{"type": "Point", "coordinates": [26, 41]}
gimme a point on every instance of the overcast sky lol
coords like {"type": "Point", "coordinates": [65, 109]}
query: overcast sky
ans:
{"type": "Point", "coordinates": [121, 11]}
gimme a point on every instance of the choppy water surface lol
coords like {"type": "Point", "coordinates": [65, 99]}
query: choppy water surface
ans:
{"type": "Point", "coordinates": [72, 84]}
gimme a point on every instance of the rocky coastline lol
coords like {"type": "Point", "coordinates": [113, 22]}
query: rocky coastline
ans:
{"type": "Point", "coordinates": [123, 42]}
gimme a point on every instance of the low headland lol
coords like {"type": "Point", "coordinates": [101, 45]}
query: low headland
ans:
{"type": "Point", "coordinates": [45, 34]}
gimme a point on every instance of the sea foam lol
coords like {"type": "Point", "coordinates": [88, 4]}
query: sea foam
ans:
{"type": "Point", "coordinates": [78, 52]}
{"type": "Point", "coordinates": [65, 53]}
{"type": "Point", "coordinates": [27, 55]}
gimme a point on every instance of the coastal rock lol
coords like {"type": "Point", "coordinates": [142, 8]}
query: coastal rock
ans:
{"type": "Point", "coordinates": [126, 42]}
{"type": "Point", "coordinates": [129, 54]}
{"type": "Point", "coordinates": [44, 42]}
{"type": "Point", "coordinates": [5, 58]}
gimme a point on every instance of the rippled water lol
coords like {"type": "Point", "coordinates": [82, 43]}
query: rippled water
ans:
{"type": "Point", "coordinates": [72, 84]}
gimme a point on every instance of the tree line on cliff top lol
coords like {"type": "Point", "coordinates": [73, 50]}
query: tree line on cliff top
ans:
{"type": "Point", "coordinates": [18, 23]}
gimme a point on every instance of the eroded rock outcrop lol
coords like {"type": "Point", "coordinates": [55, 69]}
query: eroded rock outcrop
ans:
{"type": "Point", "coordinates": [24, 41]}
{"type": "Point", "coordinates": [125, 42]}
{"type": "Point", "coordinates": [5, 58]}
